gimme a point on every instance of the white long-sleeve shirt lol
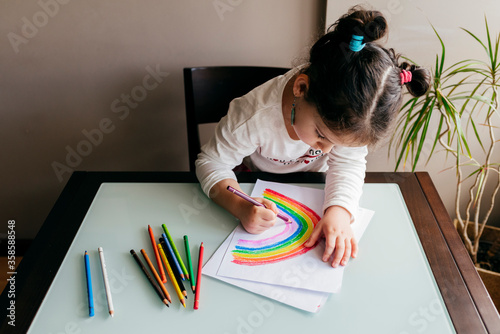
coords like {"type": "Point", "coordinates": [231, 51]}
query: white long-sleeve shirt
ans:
{"type": "Point", "coordinates": [254, 131]}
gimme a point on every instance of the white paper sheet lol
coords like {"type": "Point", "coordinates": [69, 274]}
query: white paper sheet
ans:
{"type": "Point", "coordinates": [302, 299]}
{"type": "Point", "coordinates": [305, 270]}
{"type": "Point", "coordinates": [294, 276]}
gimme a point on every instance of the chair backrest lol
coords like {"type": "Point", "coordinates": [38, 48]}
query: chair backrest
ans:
{"type": "Point", "coordinates": [209, 90]}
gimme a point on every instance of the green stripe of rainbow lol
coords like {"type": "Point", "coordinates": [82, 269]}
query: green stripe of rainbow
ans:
{"type": "Point", "coordinates": [284, 245]}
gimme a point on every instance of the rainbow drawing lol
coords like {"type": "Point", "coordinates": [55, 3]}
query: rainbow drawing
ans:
{"type": "Point", "coordinates": [285, 245]}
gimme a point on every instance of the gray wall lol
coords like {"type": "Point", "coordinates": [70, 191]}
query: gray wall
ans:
{"type": "Point", "coordinates": [97, 85]}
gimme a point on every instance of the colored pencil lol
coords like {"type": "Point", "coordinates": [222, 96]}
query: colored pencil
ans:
{"type": "Point", "coordinates": [150, 279]}
{"type": "Point", "coordinates": [198, 280]}
{"type": "Point", "coordinates": [106, 283]}
{"type": "Point", "coordinates": [175, 263]}
{"type": "Point", "coordinates": [155, 274]}
{"type": "Point", "coordinates": [89, 284]}
{"type": "Point", "coordinates": [171, 258]}
{"type": "Point", "coordinates": [190, 264]}
{"type": "Point", "coordinates": [157, 255]}
{"type": "Point", "coordinates": [254, 202]}
{"type": "Point", "coordinates": [177, 255]}
{"type": "Point", "coordinates": [171, 275]}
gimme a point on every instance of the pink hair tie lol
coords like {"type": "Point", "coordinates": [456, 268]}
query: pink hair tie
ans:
{"type": "Point", "coordinates": [405, 76]}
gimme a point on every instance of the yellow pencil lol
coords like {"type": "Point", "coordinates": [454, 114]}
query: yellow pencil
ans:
{"type": "Point", "coordinates": [171, 275]}
{"type": "Point", "coordinates": [155, 274]}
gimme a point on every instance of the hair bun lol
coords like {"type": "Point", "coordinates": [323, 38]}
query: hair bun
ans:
{"type": "Point", "coordinates": [370, 24]}
{"type": "Point", "coordinates": [421, 79]}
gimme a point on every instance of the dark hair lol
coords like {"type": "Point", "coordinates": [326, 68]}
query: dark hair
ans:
{"type": "Point", "coordinates": [359, 94]}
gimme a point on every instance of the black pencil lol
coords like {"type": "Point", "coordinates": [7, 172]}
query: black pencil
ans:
{"type": "Point", "coordinates": [170, 258]}
{"type": "Point", "coordinates": [153, 283]}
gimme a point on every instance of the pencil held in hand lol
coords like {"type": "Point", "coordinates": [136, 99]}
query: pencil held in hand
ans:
{"type": "Point", "coordinates": [254, 202]}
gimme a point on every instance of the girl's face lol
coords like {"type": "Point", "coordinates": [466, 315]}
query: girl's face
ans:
{"type": "Point", "coordinates": [308, 125]}
{"type": "Point", "coordinates": [310, 128]}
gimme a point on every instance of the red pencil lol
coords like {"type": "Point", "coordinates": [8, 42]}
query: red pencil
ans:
{"type": "Point", "coordinates": [198, 279]}
{"type": "Point", "coordinates": [157, 255]}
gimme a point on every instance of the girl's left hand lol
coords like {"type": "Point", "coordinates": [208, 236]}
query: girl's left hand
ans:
{"type": "Point", "coordinates": [335, 226]}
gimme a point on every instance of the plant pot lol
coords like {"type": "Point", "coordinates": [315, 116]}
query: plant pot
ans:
{"type": "Point", "coordinates": [491, 281]}
{"type": "Point", "coordinates": [488, 261]}
{"type": "Point", "coordinates": [488, 255]}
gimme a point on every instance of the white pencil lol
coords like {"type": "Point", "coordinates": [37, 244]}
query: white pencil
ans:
{"type": "Point", "coordinates": [106, 282]}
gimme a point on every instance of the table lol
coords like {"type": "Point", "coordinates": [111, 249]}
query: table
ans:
{"type": "Point", "coordinates": [466, 307]}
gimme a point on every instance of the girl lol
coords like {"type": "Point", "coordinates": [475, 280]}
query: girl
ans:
{"type": "Point", "coordinates": [318, 117]}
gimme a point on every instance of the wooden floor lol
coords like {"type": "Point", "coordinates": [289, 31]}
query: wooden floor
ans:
{"type": "Point", "coordinates": [4, 270]}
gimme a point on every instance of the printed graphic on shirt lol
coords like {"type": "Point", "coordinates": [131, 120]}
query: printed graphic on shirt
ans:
{"type": "Point", "coordinates": [307, 158]}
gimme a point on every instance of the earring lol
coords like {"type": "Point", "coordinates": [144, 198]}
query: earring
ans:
{"type": "Point", "coordinates": [293, 110]}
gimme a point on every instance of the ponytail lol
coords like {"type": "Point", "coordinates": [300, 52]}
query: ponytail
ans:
{"type": "Point", "coordinates": [354, 82]}
{"type": "Point", "coordinates": [420, 79]}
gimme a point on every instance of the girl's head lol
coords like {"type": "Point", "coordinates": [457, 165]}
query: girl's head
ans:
{"type": "Point", "coordinates": [357, 88]}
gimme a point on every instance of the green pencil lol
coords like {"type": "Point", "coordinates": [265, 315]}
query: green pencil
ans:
{"type": "Point", "coordinates": [176, 252]}
{"type": "Point", "coordinates": [190, 264]}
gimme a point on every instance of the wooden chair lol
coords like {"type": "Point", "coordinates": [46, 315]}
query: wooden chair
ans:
{"type": "Point", "coordinates": [209, 90]}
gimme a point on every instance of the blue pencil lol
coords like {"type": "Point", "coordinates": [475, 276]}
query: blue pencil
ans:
{"type": "Point", "coordinates": [170, 249]}
{"type": "Point", "coordinates": [89, 284]}
{"type": "Point", "coordinates": [170, 258]}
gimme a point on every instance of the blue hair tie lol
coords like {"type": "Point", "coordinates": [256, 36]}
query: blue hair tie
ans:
{"type": "Point", "coordinates": [356, 43]}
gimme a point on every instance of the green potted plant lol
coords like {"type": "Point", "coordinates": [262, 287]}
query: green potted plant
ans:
{"type": "Point", "coordinates": [463, 104]}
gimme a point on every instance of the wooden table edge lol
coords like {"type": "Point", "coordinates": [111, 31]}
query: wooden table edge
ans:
{"type": "Point", "coordinates": [484, 305]}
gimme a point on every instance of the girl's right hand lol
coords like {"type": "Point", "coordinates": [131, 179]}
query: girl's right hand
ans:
{"type": "Point", "coordinates": [256, 219]}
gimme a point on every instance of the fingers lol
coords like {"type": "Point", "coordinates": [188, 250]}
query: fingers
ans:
{"type": "Point", "coordinates": [268, 204]}
{"type": "Point", "coordinates": [347, 253]}
{"type": "Point", "coordinates": [339, 249]}
{"type": "Point", "coordinates": [336, 248]}
{"type": "Point", "coordinates": [354, 245]}
{"type": "Point", "coordinates": [258, 219]}
{"type": "Point", "coordinates": [344, 250]}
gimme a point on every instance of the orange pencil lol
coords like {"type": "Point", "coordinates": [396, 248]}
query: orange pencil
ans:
{"type": "Point", "coordinates": [198, 279]}
{"type": "Point", "coordinates": [150, 279]}
{"type": "Point", "coordinates": [157, 255]}
{"type": "Point", "coordinates": [155, 274]}
{"type": "Point", "coordinates": [171, 275]}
